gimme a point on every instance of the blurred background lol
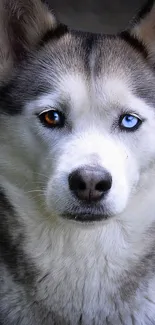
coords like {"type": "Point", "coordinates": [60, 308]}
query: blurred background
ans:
{"type": "Point", "coordinates": [107, 16]}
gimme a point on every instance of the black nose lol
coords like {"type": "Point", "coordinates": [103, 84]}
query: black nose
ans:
{"type": "Point", "coordinates": [90, 183]}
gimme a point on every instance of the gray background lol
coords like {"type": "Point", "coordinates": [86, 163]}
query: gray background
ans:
{"type": "Point", "coordinates": [106, 16]}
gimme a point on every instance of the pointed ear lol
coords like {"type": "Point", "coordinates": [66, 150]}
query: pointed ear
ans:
{"type": "Point", "coordinates": [143, 29]}
{"type": "Point", "coordinates": [23, 23]}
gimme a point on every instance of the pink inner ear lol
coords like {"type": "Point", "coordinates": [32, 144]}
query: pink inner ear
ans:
{"type": "Point", "coordinates": [22, 26]}
{"type": "Point", "coordinates": [143, 28]}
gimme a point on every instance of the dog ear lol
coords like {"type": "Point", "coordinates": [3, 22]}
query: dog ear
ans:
{"type": "Point", "coordinates": [23, 23]}
{"type": "Point", "coordinates": [143, 29]}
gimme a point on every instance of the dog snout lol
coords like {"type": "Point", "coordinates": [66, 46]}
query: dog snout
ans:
{"type": "Point", "coordinates": [90, 184]}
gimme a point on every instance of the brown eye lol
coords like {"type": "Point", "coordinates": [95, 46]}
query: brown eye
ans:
{"type": "Point", "coordinates": [52, 118]}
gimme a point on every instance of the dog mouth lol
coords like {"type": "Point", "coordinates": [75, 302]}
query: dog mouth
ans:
{"type": "Point", "coordinates": [85, 216]}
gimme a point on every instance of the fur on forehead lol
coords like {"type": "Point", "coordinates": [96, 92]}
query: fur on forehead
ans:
{"type": "Point", "coordinates": [27, 24]}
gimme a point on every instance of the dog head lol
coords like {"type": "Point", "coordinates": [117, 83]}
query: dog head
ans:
{"type": "Point", "coordinates": [77, 114]}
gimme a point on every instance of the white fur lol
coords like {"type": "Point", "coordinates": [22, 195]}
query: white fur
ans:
{"type": "Point", "coordinates": [84, 262]}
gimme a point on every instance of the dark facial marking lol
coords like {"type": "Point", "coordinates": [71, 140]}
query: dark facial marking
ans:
{"type": "Point", "coordinates": [142, 272]}
{"type": "Point", "coordinates": [51, 34]}
{"type": "Point", "coordinates": [11, 241]}
{"type": "Point", "coordinates": [135, 43]}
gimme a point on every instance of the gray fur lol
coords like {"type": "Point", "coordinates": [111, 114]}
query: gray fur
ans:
{"type": "Point", "coordinates": [55, 271]}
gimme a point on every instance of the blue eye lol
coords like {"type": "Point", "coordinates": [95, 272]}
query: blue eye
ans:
{"type": "Point", "coordinates": [129, 122]}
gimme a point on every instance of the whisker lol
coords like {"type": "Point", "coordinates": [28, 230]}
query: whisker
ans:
{"type": "Point", "coordinates": [33, 191]}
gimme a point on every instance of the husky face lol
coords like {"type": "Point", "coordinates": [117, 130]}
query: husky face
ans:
{"type": "Point", "coordinates": [77, 142]}
{"type": "Point", "coordinates": [91, 157]}
{"type": "Point", "coordinates": [78, 117]}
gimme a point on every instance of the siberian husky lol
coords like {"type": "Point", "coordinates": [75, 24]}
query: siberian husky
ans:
{"type": "Point", "coordinates": [77, 171]}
